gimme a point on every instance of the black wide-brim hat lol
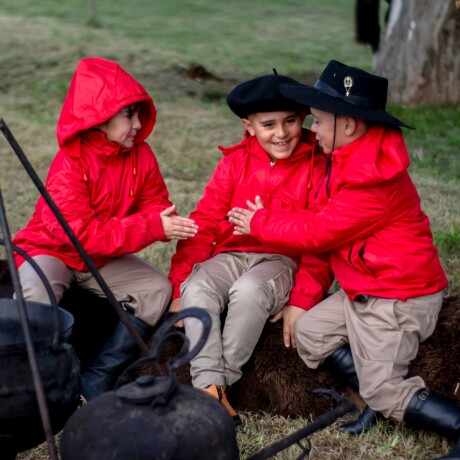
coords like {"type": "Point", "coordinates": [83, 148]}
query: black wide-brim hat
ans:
{"type": "Point", "coordinates": [262, 94]}
{"type": "Point", "coordinates": [348, 91]}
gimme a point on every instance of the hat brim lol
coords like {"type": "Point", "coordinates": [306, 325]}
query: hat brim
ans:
{"type": "Point", "coordinates": [316, 99]}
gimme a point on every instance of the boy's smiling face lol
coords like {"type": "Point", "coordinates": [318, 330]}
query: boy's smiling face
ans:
{"type": "Point", "coordinates": [123, 126]}
{"type": "Point", "coordinates": [277, 132]}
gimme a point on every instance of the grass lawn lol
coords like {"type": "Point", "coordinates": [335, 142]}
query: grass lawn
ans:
{"type": "Point", "coordinates": [188, 55]}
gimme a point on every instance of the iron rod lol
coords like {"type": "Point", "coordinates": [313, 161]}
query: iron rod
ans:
{"type": "Point", "coordinates": [40, 393]}
{"type": "Point", "coordinates": [78, 246]}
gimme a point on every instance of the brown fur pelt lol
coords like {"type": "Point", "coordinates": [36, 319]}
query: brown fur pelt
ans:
{"type": "Point", "coordinates": [274, 380]}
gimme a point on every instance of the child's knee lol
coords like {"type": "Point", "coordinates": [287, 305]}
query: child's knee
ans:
{"type": "Point", "coordinates": [35, 292]}
{"type": "Point", "coordinates": [248, 290]}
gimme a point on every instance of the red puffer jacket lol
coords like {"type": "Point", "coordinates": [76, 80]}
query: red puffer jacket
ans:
{"type": "Point", "coordinates": [284, 186]}
{"type": "Point", "coordinates": [367, 214]}
{"type": "Point", "coordinates": [111, 197]}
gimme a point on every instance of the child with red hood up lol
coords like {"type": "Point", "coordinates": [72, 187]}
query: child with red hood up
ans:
{"type": "Point", "coordinates": [106, 181]}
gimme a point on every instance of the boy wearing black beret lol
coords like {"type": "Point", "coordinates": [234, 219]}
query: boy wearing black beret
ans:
{"type": "Point", "coordinates": [368, 218]}
{"type": "Point", "coordinates": [248, 279]}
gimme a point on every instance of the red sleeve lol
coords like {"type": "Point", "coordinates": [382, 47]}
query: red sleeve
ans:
{"type": "Point", "coordinates": [109, 237]}
{"type": "Point", "coordinates": [211, 209]}
{"type": "Point", "coordinates": [351, 215]}
{"type": "Point", "coordinates": [312, 281]}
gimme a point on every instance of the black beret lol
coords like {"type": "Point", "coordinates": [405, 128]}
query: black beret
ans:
{"type": "Point", "coordinates": [262, 94]}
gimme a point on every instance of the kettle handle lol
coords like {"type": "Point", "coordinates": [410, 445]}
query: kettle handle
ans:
{"type": "Point", "coordinates": [164, 335]}
{"type": "Point", "coordinates": [182, 357]}
{"type": "Point", "coordinates": [49, 290]}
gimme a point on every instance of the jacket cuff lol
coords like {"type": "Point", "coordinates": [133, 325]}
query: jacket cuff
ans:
{"type": "Point", "coordinates": [298, 299]}
{"type": "Point", "coordinates": [156, 227]}
{"type": "Point", "coordinates": [257, 220]}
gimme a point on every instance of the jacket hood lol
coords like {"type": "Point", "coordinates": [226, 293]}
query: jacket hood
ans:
{"type": "Point", "coordinates": [98, 90]}
{"type": "Point", "coordinates": [377, 156]}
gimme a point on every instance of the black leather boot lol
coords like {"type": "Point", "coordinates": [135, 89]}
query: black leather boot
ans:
{"type": "Point", "coordinates": [433, 412]}
{"type": "Point", "coordinates": [116, 354]}
{"type": "Point", "coordinates": [340, 363]}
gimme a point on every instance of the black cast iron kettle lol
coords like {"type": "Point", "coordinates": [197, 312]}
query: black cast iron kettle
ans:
{"type": "Point", "coordinates": [154, 417]}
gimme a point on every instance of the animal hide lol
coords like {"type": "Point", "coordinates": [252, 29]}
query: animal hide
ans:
{"type": "Point", "coordinates": [274, 380]}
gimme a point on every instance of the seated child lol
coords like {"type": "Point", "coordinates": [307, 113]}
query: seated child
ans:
{"type": "Point", "coordinates": [250, 280]}
{"type": "Point", "coordinates": [107, 184]}
{"type": "Point", "coordinates": [370, 222]}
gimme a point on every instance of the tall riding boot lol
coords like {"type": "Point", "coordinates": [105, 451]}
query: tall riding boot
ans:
{"type": "Point", "coordinates": [340, 363]}
{"type": "Point", "coordinates": [116, 354]}
{"type": "Point", "coordinates": [433, 412]}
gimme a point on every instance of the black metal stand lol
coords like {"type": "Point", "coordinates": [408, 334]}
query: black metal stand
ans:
{"type": "Point", "coordinates": [41, 397]}
{"type": "Point", "coordinates": [343, 407]}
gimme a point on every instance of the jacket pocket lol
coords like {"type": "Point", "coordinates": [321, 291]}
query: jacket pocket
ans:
{"type": "Point", "coordinates": [279, 289]}
{"type": "Point", "coordinates": [356, 258]}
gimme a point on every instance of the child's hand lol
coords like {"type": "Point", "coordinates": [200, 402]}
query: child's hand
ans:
{"type": "Point", "coordinates": [290, 315]}
{"type": "Point", "coordinates": [242, 217]}
{"type": "Point", "coordinates": [175, 308]}
{"type": "Point", "coordinates": [177, 227]}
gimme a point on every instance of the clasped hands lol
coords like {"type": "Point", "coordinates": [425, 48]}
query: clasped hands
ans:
{"type": "Point", "coordinates": [242, 217]}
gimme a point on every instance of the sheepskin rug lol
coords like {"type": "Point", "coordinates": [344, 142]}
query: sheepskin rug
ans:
{"type": "Point", "coordinates": [275, 380]}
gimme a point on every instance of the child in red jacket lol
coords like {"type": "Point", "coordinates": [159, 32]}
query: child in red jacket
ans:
{"type": "Point", "coordinates": [107, 184]}
{"type": "Point", "coordinates": [369, 220]}
{"type": "Point", "coordinates": [248, 279]}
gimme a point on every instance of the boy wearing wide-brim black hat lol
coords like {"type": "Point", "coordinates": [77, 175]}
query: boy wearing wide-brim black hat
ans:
{"type": "Point", "coordinates": [250, 279]}
{"type": "Point", "coordinates": [368, 219]}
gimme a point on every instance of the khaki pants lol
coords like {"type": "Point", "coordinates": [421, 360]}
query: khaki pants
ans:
{"type": "Point", "coordinates": [384, 336]}
{"type": "Point", "coordinates": [131, 280]}
{"type": "Point", "coordinates": [252, 287]}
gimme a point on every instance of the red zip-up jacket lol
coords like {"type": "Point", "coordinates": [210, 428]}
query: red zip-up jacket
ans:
{"type": "Point", "coordinates": [367, 215]}
{"type": "Point", "coordinates": [111, 197]}
{"type": "Point", "coordinates": [284, 185]}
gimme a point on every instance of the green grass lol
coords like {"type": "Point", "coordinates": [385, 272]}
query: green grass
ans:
{"type": "Point", "coordinates": [433, 144]}
{"type": "Point", "coordinates": [157, 42]}
{"type": "Point", "coordinates": [228, 37]}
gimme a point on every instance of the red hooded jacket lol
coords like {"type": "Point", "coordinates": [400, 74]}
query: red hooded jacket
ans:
{"type": "Point", "coordinates": [111, 197]}
{"type": "Point", "coordinates": [367, 215]}
{"type": "Point", "coordinates": [284, 186]}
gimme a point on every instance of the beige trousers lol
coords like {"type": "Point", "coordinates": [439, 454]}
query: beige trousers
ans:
{"type": "Point", "coordinates": [384, 336]}
{"type": "Point", "coordinates": [131, 280]}
{"type": "Point", "coordinates": [252, 287]}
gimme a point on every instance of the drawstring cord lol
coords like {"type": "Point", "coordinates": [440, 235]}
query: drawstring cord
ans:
{"type": "Point", "coordinates": [312, 163]}
{"type": "Point", "coordinates": [134, 169]}
{"type": "Point", "coordinates": [329, 163]}
{"type": "Point", "coordinates": [327, 177]}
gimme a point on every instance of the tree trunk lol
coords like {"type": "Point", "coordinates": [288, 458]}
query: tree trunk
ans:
{"type": "Point", "coordinates": [420, 52]}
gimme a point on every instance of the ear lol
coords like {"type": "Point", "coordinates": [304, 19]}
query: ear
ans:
{"type": "Point", "coordinates": [248, 126]}
{"type": "Point", "coordinates": [350, 126]}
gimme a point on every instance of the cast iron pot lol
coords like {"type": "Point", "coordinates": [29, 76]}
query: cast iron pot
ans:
{"type": "Point", "coordinates": [20, 422]}
{"type": "Point", "coordinates": [154, 417]}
